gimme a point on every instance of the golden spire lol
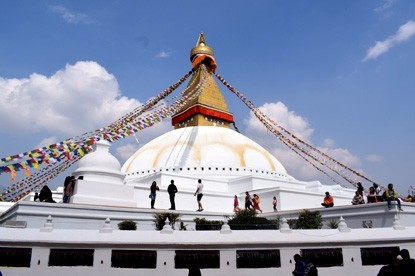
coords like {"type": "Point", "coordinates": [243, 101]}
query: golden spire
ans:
{"type": "Point", "coordinates": [209, 108]}
{"type": "Point", "coordinates": [201, 47]}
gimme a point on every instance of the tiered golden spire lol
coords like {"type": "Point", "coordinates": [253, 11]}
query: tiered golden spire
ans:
{"type": "Point", "coordinates": [210, 107]}
{"type": "Point", "coordinates": [201, 47]}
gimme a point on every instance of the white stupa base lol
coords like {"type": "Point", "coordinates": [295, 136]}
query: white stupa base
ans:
{"type": "Point", "coordinates": [219, 192]}
{"type": "Point", "coordinates": [104, 194]}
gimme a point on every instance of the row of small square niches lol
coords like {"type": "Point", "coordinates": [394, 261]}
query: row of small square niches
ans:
{"type": "Point", "coordinates": [209, 169]}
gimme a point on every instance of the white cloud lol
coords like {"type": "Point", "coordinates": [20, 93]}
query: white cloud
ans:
{"type": "Point", "coordinates": [46, 142]}
{"type": "Point", "coordinates": [387, 4]}
{"type": "Point", "coordinates": [342, 155]}
{"type": "Point", "coordinates": [282, 116]}
{"type": "Point", "coordinates": [374, 158]}
{"type": "Point", "coordinates": [302, 170]}
{"type": "Point", "coordinates": [329, 143]}
{"type": "Point", "coordinates": [163, 54]}
{"type": "Point", "coordinates": [404, 33]}
{"type": "Point", "coordinates": [144, 136]}
{"type": "Point", "coordinates": [295, 165]}
{"type": "Point", "coordinates": [71, 17]}
{"type": "Point", "coordinates": [125, 151]}
{"type": "Point", "coordinates": [298, 125]}
{"type": "Point", "coordinates": [76, 99]}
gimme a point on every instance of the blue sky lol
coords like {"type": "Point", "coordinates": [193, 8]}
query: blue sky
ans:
{"type": "Point", "coordinates": [338, 73]}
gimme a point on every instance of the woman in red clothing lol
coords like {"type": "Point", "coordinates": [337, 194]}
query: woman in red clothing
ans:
{"type": "Point", "coordinates": [236, 204]}
{"type": "Point", "coordinates": [255, 202]}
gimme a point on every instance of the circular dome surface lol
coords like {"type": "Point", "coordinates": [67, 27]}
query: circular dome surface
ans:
{"type": "Point", "coordinates": [202, 146]}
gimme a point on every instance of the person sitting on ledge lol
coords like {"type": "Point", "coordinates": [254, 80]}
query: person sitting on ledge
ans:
{"type": "Point", "coordinates": [358, 199]}
{"type": "Point", "coordinates": [328, 201]}
{"type": "Point", "coordinates": [46, 195]}
{"type": "Point", "coordinates": [371, 196]}
{"type": "Point", "coordinates": [360, 188]}
{"type": "Point", "coordinates": [392, 195]}
{"type": "Point", "coordinates": [379, 196]}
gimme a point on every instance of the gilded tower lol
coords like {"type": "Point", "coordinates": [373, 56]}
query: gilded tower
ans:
{"type": "Point", "coordinates": [209, 108]}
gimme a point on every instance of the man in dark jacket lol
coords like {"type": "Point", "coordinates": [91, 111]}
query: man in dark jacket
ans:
{"type": "Point", "coordinates": [299, 266]}
{"type": "Point", "coordinates": [407, 265]}
{"type": "Point", "coordinates": [172, 190]}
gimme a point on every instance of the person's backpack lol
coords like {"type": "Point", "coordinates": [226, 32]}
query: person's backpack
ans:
{"type": "Point", "coordinates": [311, 270]}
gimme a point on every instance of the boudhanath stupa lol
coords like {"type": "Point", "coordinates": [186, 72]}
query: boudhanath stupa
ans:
{"type": "Point", "coordinates": [45, 238]}
{"type": "Point", "coordinates": [203, 145]}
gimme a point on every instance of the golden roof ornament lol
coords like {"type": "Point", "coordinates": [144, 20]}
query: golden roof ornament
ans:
{"type": "Point", "coordinates": [201, 47]}
{"type": "Point", "coordinates": [209, 108]}
{"type": "Point", "coordinates": [202, 52]}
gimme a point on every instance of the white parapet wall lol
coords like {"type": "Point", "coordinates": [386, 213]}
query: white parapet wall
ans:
{"type": "Point", "coordinates": [168, 244]}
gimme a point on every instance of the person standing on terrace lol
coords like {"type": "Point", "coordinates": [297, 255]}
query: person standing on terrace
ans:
{"type": "Point", "coordinates": [236, 204]}
{"type": "Point", "coordinates": [153, 189]}
{"type": "Point", "coordinates": [248, 201]}
{"type": "Point", "coordinates": [199, 193]}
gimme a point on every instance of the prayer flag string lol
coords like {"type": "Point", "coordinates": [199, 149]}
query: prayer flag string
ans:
{"type": "Point", "coordinates": [68, 144]}
{"type": "Point", "coordinates": [56, 163]}
{"type": "Point", "coordinates": [302, 148]}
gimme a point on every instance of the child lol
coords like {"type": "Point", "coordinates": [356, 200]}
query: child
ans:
{"type": "Point", "coordinates": [236, 204]}
{"type": "Point", "coordinates": [274, 204]}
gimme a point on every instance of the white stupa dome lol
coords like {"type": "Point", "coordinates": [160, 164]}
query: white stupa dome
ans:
{"type": "Point", "coordinates": [202, 146]}
{"type": "Point", "coordinates": [100, 165]}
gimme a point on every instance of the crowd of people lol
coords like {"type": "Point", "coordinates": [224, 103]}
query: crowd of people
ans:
{"type": "Point", "coordinates": [251, 202]}
{"type": "Point", "coordinates": [402, 264]}
{"type": "Point", "coordinates": [373, 195]}
{"type": "Point", "coordinates": [45, 195]}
